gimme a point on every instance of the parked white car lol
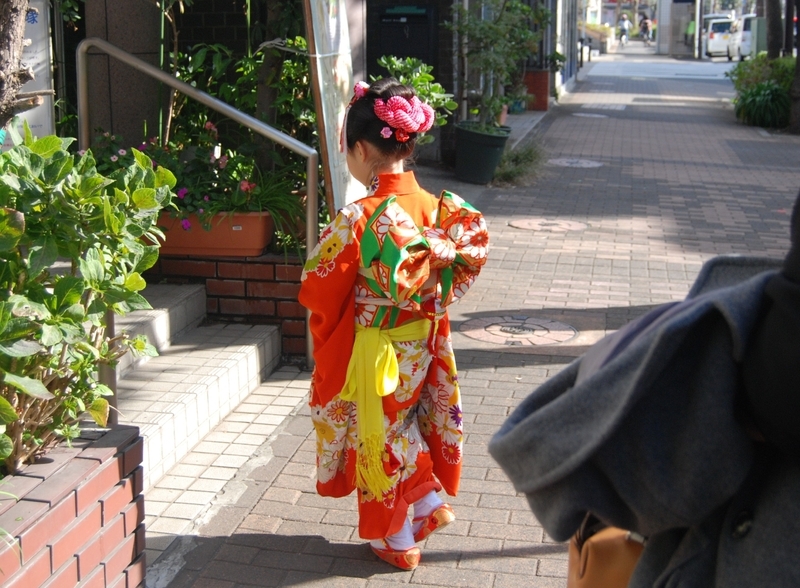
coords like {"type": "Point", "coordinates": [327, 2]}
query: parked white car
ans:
{"type": "Point", "coordinates": [717, 37]}
{"type": "Point", "coordinates": [740, 43]}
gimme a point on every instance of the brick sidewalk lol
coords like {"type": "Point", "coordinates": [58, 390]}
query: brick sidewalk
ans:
{"type": "Point", "coordinates": [660, 179]}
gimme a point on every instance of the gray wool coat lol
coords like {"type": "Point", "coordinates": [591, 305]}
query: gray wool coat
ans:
{"type": "Point", "coordinates": [644, 433]}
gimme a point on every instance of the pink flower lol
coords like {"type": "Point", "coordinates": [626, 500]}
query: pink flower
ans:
{"type": "Point", "coordinates": [82, 152]}
{"type": "Point", "coordinates": [200, 211]}
{"type": "Point", "coordinates": [386, 132]}
{"type": "Point", "coordinates": [182, 192]}
{"type": "Point", "coordinates": [205, 197]}
{"type": "Point", "coordinates": [185, 224]}
{"type": "Point", "coordinates": [142, 147]}
{"type": "Point", "coordinates": [122, 152]}
{"type": "Point", "coordinates": [246, 186]}
{"type": "Point", "coordinates": [114, 158]}
{"type": "Point", "coordinates": [223, 161]}
{"type": "Point", "coordinates": [360, 89]}
{"type": "Point", "coordinates": [209, 126]}
{"type": "Point", "coordinates": [212, 158]}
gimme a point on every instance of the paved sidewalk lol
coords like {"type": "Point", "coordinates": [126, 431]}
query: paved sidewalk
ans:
{"type": "Point", "coordinates": [648, 178]}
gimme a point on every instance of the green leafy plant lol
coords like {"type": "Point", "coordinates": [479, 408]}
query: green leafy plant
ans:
{"type": "Point", "coordinates": [746, 74]}
{"type": "Point", "coordinates": [417, 74]}
{"type": "Point", "coordinates": [519, 165]}
{"type": "Point", "coordinates": [765, 104]}
{"type": "Point", "coordinates": [498, 35]}
{"type": "Point", "coordinates": [72, 249]}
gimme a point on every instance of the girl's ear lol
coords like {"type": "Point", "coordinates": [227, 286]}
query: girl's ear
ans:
{"type": "Point", "coordinates": [361, 150]}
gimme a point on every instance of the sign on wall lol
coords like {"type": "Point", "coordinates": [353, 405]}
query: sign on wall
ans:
{"type": "Point", "coordinates": [332, 72]}
{"type": "Point", "coordinates": [38, 56]}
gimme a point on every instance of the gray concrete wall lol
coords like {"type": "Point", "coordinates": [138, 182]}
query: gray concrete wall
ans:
{"type": "Point", "coordinates": [122, 100]}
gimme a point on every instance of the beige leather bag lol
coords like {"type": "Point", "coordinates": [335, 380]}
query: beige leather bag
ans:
{"type": "Point", "coordinates": [601, 556]}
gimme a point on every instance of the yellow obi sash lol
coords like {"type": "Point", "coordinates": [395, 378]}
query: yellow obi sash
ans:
{"type": "Point", "coordinates": [371, 374]}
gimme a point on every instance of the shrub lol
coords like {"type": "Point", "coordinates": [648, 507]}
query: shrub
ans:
{"type": "Point", "coordinates": [71, 250]}
{"type": "Point", "coordinates": [765, 104]}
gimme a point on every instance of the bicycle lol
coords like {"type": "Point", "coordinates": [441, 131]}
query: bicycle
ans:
{"type": "Point", "coordinates": [623, 39]}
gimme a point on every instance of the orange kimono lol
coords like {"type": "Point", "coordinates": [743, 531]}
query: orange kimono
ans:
{"type": "Point", "coordinates": [390, 263]}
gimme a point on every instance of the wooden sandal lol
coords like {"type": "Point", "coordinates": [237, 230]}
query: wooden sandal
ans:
{"type": "Point", "coordinates": [438, 519]}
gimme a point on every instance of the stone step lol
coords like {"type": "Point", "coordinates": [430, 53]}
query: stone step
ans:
{"type": "Point", "coordinates": [202, 373]}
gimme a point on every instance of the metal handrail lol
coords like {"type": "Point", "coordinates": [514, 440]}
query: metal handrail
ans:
{"type": "Point", "coordinates": [312, 158]}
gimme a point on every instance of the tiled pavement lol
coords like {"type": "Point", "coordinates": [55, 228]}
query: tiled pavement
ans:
{"type": "Point", "coordinates": [680, 182]}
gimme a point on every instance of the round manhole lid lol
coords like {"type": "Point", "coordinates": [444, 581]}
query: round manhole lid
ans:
{"type": "Point", "coordinates": [518, 330]}
{"type": "Point", "coordinates": [543, 224]}
{"type": "Point", "coordinates": [568, 162]}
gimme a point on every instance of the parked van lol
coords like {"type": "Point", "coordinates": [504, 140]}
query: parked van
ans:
{"type": "Point", "coordinates": [718, 36]}
{"type": "Point", "coordinates": [740, 43]}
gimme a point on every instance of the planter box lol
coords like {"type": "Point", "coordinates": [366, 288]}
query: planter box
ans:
{"type": "Point", "coordinates": [231, 234]}
{"type": "Point", "coordinates": [538, 83]}
{"type": "Point", "coordinates": [79, 517]}
{"type": "Point", "coordinates": [478, 153]}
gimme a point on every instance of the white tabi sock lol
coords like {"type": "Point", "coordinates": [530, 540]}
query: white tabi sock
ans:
{"type": "Point", "coordinates": [400, 541]}
{"type": "Point", "coordinates": [423, 507]}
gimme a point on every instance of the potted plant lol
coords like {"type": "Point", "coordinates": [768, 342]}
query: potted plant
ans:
{"type": "Point", "coordinates": [224, 204]}
{"type": "Point", "coordinates": [496, 37]}
{"type": "Point", "coordinates": [71, 252]}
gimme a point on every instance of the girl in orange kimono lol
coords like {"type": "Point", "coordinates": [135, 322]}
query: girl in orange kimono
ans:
{"type": "Point", "coordinates": [384, 400]}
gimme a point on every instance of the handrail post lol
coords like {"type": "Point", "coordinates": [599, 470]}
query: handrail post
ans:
{"type": "Point", "coordinates": [263, 129]}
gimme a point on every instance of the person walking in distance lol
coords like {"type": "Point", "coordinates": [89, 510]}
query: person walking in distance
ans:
{"type": "Point", "coordinates": [646, 29]}
{"type": "Point", "coordinates": [385, 400]}
{"type": "Point", "coordinates": [624, 30]}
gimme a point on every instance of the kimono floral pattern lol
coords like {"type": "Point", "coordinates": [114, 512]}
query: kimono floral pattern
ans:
{"type": "Point", "coordinates": [393, 268]}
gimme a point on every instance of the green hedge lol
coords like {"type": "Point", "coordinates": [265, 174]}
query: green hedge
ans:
{"type": "Point", "coordinates": [762, 90]}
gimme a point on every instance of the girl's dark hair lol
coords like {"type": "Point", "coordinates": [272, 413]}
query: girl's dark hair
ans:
{"type": "Point", "coordinates": [364, 125]}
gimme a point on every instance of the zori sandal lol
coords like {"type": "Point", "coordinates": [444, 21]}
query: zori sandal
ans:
{"type": "Point", "coordinates": [407, 559]}
{"type": "Point", "coordinates": [439, 518]}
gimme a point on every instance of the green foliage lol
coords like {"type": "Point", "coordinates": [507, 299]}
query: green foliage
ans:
{"type": "Point", "coordinates": [417, 74]}
{"type": "Point", "coordinates": [500, 35]}
{"type": "Point", "coordinates": [519, 165]}
{"type": "Point", "coordinates": [72, 249]}
{"type": "Point", "coordinates": [762, 87]}
{"type": "Point", "coordinates": [764, 104]}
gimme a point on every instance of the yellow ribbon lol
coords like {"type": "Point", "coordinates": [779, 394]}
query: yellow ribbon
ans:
{"type": "Point", "coordinates": [372, 373]}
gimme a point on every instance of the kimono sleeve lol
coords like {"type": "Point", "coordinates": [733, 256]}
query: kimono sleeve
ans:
{"type": "Point", "coordinates": [327, 291]}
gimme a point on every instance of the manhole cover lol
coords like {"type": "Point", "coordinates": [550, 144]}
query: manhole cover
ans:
{"type": "Point", "coordinates": [518, 330]}
{"type": "Point", "coordinates": [543, 224]}
{"type": "Point", "coordinates": [589, 115]}
{"type": "Point", "coordinates": [567, 162]}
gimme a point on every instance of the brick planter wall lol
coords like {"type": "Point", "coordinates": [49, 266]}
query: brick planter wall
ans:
{"type": "Point", "coordinates": [260, 290]}
{"type": "Point", "coordinates": [79, 517]}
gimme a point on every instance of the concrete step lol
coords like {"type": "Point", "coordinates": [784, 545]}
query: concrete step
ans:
{"type": "Point", "coordinates": [202, 373]}
{"type": "Point", "coordinates": [176, 309]}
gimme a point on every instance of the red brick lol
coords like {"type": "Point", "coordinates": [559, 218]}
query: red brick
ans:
{"type": "Point", "coordinates": [119, 582]}
{"type": "Point", "coordinates": [295, 328]}
{"type": "Point", "coordinates": [21, 516]}
{"type": "Point", "coordinates": [189, 267]}
{"type": "Point", "coordinates": [111, 443]}
{"type": "Point", "coordinates": [141, 539]}
{"type": "Point", "coordinates": [273, 290]}
{"type": "Point", "coordinates": [138, 481]}
{"type": "Point", "coordinates": [212, 306]}
{"type": "Point", "coordinates": [103, 480]}
{"type": "Point", "coordinates": [116, 499]}
{"type": "Point", "coordinates": [291, 310]}
{"type": "Point", "coordinates": [76, 536]}
{"type": "Point", "coordinates": [55, 488]}
{"type": "Point", "coordinates": [132, 456]}
{"type": "Point", "coordinates": [136, 572]}
{"type": "Point", "coordinates": [288, 273]}
{"type": "Point", "coordinates": [14, 488]}
{"type": "Point", "coordinates": [35, 573]}
{"type": "Point", "coordinates": [41, 533]}
{"type": "Point", "coordinates": [9, 560]}
{"type": "Point", "coordinates": [55, 460]}
{"type": "Point", "coordinates": [230, 270]}
{"type": "Point", "coordinates": [121, 558]}
{"type": "Point", "coordinates": [259, 271]}
{"type": "Point", "coordinates": [293, 346]}
{"type": "Point", "coordinates": [101, 546]}
{"type": "Point", "coordinates": [225, 287]}
{"type": "Point", "coordinates": [97, 579]}
{"type": "Point", "coordinates": [232, 306]}
{"type": "Point", "coordinates": [134, 515]}
{"type": "Point", "coordinates": [65, 577]}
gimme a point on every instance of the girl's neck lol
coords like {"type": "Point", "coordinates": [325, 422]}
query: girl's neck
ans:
{"type": "Point", "coordinates": [395, 167]}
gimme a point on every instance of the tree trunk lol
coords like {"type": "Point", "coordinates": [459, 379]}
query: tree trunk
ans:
{"type": "Point", "coordinates": [12, 74]}
{"type": "Point", "coordinates": [774, 29]}
{"type": "Point", "coordinates": [265, 93]}
{"type": "Point", "coordinates": [794, 92]}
